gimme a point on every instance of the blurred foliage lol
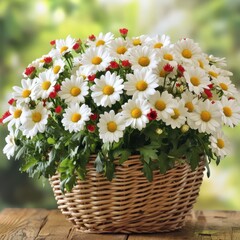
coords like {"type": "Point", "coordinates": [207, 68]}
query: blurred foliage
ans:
{"type": "Point", "coordinates": [27, 27]}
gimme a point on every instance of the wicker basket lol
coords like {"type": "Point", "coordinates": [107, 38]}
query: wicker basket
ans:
{"type": "Point", "coordinates": [130, 203]}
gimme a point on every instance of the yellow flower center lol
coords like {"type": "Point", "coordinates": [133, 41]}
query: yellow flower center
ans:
{"type": "Point", "coordinates": [75, 91]}
{"type": "Point", "coordinates": [100, 42]}
{"type": "Point", "coordinates": [223, 86]}
{"type": "Point", "coordinates": [63, 49]}
{"type": "Point", "coordinates": [186, 53]}
{"type": "Point", "coordinates": [205, 116]}
{"type": "Point", "coordinates": [176, 113]}
{"type": "Point", "coordinates": [96, 60]}
{"type": "Point", "coordinates": [36, 117]}
{"type": "Point", "coordinates": [121, 50]}
{"type": "Point", "coordinates": [143, 61]}
{"type": "Point", "coordinates": [141, 85]}
{"type": "Point", "coordinates": [227, 111]}
{"type": "Point", "coordinates": [160, 105]}
{"type": "Point", "coordinates": [46, 85]}
{"type": "Point", "coordinates": [201, 65]}
{"type": "Point", "coordinates": [136, 42]}
{"type": "Point", "coordinates": [162, 73]}
{"type": "Point", "coordinates": [26, 93]}
{"type": "Point", "coordinates": [108, 90]}
{"type": "Point", "coordinates": [56, 69]}
{"type": "Point", "coordinates": [111, 126]}
{"type": "Point", "coordinates": [220, 143]}
{"type": "Point", "coordinates": [136, 113]}
{"type": "Point", "coordinates": [189, 106]}
{"type": "Point", "coordinates": [158, 45]}
{"type": "Point", "coordinates": [76, 117]}
{"type": "Point", "coordinates": [213, 74]}
{"type": "Point", "coordinates": [17, 113]}
{"type": "Point", "coordinates": [195, 81]}
{"type": "Point", "coordinates": [168, 56]}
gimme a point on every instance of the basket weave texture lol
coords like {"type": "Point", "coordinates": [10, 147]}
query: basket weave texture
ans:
{"type": "Point", "coordinates": [130, 203]}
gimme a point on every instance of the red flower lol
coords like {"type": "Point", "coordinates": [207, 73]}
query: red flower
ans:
{"type": "Point", "coordinates": [91, 77]}
{"type": "Point", "coordinates": [181, 69]}
{"type": "Point", "coordinates": [168, 68]}
{"type": "Point", "coordinates": [210, 86]}
{"type": "Point", "coordinates": [29, 71]}
{"type": "Point", "coordinates": [53, 42]}
{"type": "Point", "coordinates": [114, 65]}
{"type": "Point", "coordinates": [57, 87]}
{"type": "Point", "coordinates": [123, 32]}
{"type": "Point", "coordinates": [58, 109]}
{"type": "Point", "coordinates": [94, 116]}
{"type": "Point", "coordinates": [11, 101]}
{"type": "Point", "coordinates": [152, 115]}
{"type": "Point", "coordinates": [52, 94]}
{"type": "Point", "coordinates": [5, 115]}
{"type": "Point", "coordinates": [47, 60]}
{"type": "Point", "coordinates": [76, 47]}
{"type": "Point", "coordinates": [208, 93]}
{"type": "Point", "coordinates": [126, 63]}
{"type": "Point", "coordinates": [92, 37]}
{"type": "Point", "coordinates": [91, 128]}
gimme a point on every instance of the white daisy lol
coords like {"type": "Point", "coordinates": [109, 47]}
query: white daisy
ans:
{"type": "Point", "coordinates": [10, 147]}
{"type": "Point", "coordinates": [15, 118]}
{"type": "Point", "coordinates": [44, 85]}
{"type": "Point", "coordinates": [138, 41]}
{"type": "Point", "coordinates": [135, 113]}
{"type": "Point", "coordinates": [107, 90]}
{"type": "Point", "coordinates": [187, 50]}
{"type": "Point", "coordinates": [163, 104]}
{"type": "Point", "coordinates": [218, 62]}
{"type": "Point", "coordinates": [74, 90]}
{"type": "Point", "coordinates": [206, 117]}
{"type": "Point", "coordinates": [34, 121]}
{"type": "Point", "coordinates": [167, 54]}
{"type": "Point", "coordinates": [64, 46]}
{"type": "Point", "coordinates": [101, 40]}
{"type": "Point", "coordinates": [158, 41]}
{"type": "Point", "coordinates": [190, 101]}
{"type": "Point", "coordinates": [58, 66]}
{"type": "Point", "coordinates": [75, 117]}
{"type": "Point", "coordinates": [230, 111]}
{"type": "Point", "coordinates": [225, 85]}
{"type": "Point", "coordinates": [178, 116]}
{"type": "Point", "coordinates": [142, 57]}
{"type": "Point", "coordinates": [23, 94]}
{"type": "Point", "coordinates": [95, 59]}
{"type": "Point", "coordinates": [119, 48]}
{"type": "Point", "coordinates": [111, 126]}
{"type": "Point", "coordinates": [196, 79]}
{"type": "Point", "coordinates": [141, 84]}
{"type": "Point", "coordinates": [220, 144]}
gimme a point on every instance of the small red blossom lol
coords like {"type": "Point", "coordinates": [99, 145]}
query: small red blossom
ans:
{"type": "Point", "coordinates": [47, 60]}
{"type": "Point", "coordinates": [114, 65]}
{"type": "Point", "coordinates": [57, 87]}
{"type": "Point", "coordinates": [123, 32]}
{"type": "Point", "coordinates": [180, 69]}
{"type": "Point", "coordinates": [58, 109]}
{"type": "Point", "coordinates": [76, 47]}
{"type": "Point", "coordinates": [178, 84]}
{"type": "Point", "coordinates": [91, 78]}
{"type": "Point", "coordinates": [53, 42]}
{"type": "Point", "coordinates": [94, 116]}
{"type": "Point", "coordinates": [92, 37]}
{"type": "Point", "coordinates": [210, 86]}
{"type": "Point", "coordinates": [29, 71]}
{"type": "Point", "coordinates": [52, 94]}
{"type": "Point", "coordinates": [168, 68]}
{"type": "Point", "coordinates": [126, 64]}
{"type": "Point", "coordinates": [208, 93]}
{"type": "Point", "coordinates": [12, 101]}
{"type": "Point", "coordinates": [152, 115]}
{"type": "Point", "coordinates": [91, 128]}
{"type": "Point", "coordinates": [5, 115]}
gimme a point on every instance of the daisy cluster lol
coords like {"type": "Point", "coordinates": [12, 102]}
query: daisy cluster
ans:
{"type": "Point", "coordinates": [116, 88]}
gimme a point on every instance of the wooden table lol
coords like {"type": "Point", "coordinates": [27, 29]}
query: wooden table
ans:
{"type": "Point", "coordinates": [41, 224]}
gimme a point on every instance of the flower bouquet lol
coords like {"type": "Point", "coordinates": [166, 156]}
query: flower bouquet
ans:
{"type": "Point", "coordinates": [137, 109]}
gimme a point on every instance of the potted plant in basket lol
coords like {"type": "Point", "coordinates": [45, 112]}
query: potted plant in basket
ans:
{"type": "Point", "coordinates": [123, 127]}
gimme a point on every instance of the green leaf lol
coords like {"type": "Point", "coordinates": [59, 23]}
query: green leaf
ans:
{"type": "Point", "coordinates": [123, 153]}
{"type": "Point", "coordinates": [31, 162]}
{"type": "Point", "coordinates": [148, 153]}
{"type": "Point", "coordinates": [147, 172]}
{"type": "Point", "coordinates": [109, 170]}
{"type": "Point", "coordinates": [21, 152]}
{"type": "Point", "coordinates": [99, 163]}
{"type": "Point", "coordinates": [163, 163]}
{"type": "Point", "coordinates": [51, 141]}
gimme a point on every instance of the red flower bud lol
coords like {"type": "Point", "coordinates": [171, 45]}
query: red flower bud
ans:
{"type": "Point", "coordinates": [94, 116]}
{"type": "Point", "coordinates": [152, 115]}
{"type": "Point", "coordinates": [91, 128]}
{"type": "Point", "coordinates": [53, 42]}
{"type": "Point", "coordinates": [181, 70]}
{"type": "Point", "coordinates": [168, 68]}
{"type": "Point", "coordinates": [29, 71]}
{"type": "Point", "coordinates": [123, 32]}
{"type": "Point", "coordinates": [5, 115]}
{"type": "Point", "coordinates": [52, 94]}
{"type": "Point", "coordinates": [57, 87]}
{"type": "Point", "coordinates": [92, 37]}
{"type": "Point", "coordinates": [208, 93]}
{"type": "Point", "coordinates": [114, 65]}
{"type": "Point", "coordinates": [91, 77]}
{"type": "Point", "coordinates": [11, 101]}
{"type": "Point", "coordinates": [58, 109]}
{"type": "Point", "coordinates": [47, 60]}
{"type": "Point", "coordinates": [126, 63]}
{"type": "Point", "coordinates": [76, 47]}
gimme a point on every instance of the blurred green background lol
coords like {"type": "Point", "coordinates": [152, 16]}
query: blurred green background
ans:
{"type": "Point", "coordinates": [27, 27]}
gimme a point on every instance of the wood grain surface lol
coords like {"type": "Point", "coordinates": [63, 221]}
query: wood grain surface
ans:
{"type": "Point", "coordinates": [41, 224]}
